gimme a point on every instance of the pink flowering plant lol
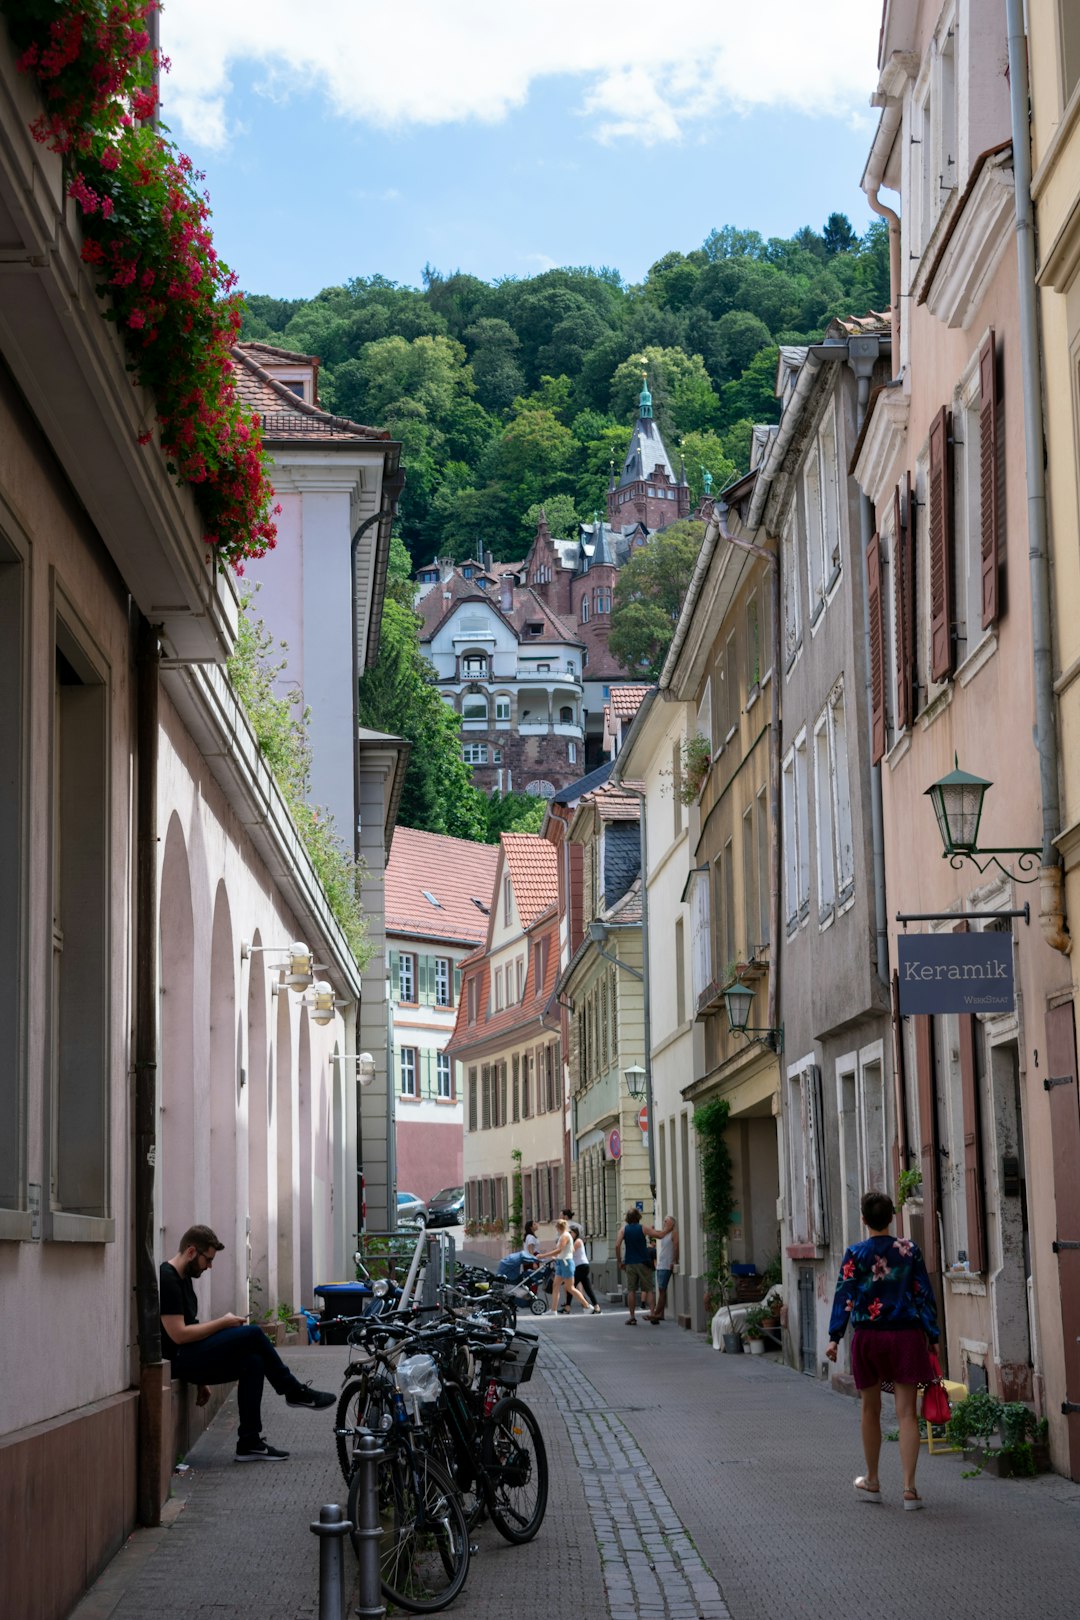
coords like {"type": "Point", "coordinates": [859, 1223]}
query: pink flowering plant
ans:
{"type": "Point", "coordinates": [146, 233]}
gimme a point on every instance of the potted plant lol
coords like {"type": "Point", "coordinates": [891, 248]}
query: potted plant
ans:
{"type": "Point", "coordinates": [772, 1308]}
{"type": "Point", "coordinates": [753, 1329]}
{"type": "Point", "coordinates": [909, 1187]}
{"type": "Point", "coordinates": [721, 1289]}
{"type": "Point", "coordinates": [696, 759]}
{"type": "Point", "coordinates": [1022, 1451]}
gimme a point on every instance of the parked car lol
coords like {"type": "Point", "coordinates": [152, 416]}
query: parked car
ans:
{"type": "Point", "coordinates": [411, 1211]}
{"type": "Point", "coordinates": [447, 1208]}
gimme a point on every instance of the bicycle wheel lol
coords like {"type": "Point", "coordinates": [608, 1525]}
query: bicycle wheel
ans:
{"type": "Point", "coordinates": [424, 1549]}
{"type": "Point", "coordinates": [449, 1451]}
{"type": "Point", "coordinates": [515, 1470]}
{"type": "Point", "coordinates": [351, 1414]}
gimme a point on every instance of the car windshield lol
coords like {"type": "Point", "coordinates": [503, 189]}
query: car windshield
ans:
{"type": "Point", "coordinates": [408, 1198]}
{"type": "Point", "coordinates": [449, 1195]}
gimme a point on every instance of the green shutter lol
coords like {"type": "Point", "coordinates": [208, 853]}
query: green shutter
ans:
{"type": "Point", "coordinates": [395, 982]}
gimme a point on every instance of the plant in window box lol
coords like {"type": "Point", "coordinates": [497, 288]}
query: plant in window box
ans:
{"type": "Point", "coordinates": [909, 1187]}
{"type": "Point", "coordinates": [696, 759]}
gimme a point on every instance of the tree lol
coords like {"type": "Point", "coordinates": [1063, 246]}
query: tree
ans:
{"type": "Point", "coordinates": [511, 812]}
{"type": "Point", "coordinates": [649, 595]}
{"type": "Point", "coordinates": [561, 514]}
{"type": "Point", "coordinates": [529, 457]}
{"type": "Point", "coordinates": [674, 377]}
{"type": "Point", "coordinates": [493, 354]}
{"type": "Point", "coordinates": [838, 234]}
{"type": "Point", "coordinates": [705, 451]}
{"type": "Point", "coordinates": [398, 695]}
{"type": "Point", "coordinates": [740, 336]}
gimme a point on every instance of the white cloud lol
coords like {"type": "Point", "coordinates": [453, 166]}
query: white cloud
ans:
{"type": "Point", "coordinates": [648, 75]}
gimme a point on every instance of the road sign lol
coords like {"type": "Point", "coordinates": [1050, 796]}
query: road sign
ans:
{"type": "Point", "coordinates": [643, 1120]}
{"type": "Point", "coordinates": [614, 1145]}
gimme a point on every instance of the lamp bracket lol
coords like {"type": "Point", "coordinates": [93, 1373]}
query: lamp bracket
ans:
{"type": "Point", "coordinates": [1027, 860]}
{"type": "Point", "coordinates": [906, 917]}
{"type": "Point", "coordinates": [773, 1038]}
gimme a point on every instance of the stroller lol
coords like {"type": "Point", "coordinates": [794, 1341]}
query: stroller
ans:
{"type": "Point", "coordinates": [534, 1288]}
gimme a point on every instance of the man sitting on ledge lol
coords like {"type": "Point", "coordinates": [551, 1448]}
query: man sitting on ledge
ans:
{"type": "Point", "coordinates": [224, 1350]}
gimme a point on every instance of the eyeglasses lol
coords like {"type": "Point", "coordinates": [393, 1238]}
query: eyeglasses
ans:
{"type": "Point", "coordinates": [207, 1255]}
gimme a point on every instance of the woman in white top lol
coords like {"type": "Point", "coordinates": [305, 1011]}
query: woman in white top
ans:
{"type": "Point", "coordinates": [563, 1256]}
{"type": "Point", "coordinates": [582, 1277]}
{"type": "Point", "coordinates": [530, 1242]}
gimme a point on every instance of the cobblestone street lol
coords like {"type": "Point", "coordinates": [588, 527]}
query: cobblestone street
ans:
{"type": "Point", "coordinates": [683, 1484]}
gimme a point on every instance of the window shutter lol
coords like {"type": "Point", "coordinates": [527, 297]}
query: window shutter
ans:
{"type": "Point", "coordinates": [941, 547]}
{"type": "Point", "coordinates": [503, 1115]}
{"type": "Point", "coordinates": [517, 1087]}
{"type": "Point", "coordinates": [904, 570]}
{"type": "Point", "coordinates": [924, 1063]}
{"type": "Point", "coordinates": [969, 1091]}
{"type": "Point", "coordinates": [816, 1202]}
{"type": "Point", "coordinates": [879, 732]}
{"type": "Point", "coordinates": [395, 976]}
{"type": "Point", "coordinates": [988, 479]}
{"type": "Point", "coordinates": [472, 1105]}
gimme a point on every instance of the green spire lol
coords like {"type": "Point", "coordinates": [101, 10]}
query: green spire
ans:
{"type": "Point", "coordinates": [645, 403]}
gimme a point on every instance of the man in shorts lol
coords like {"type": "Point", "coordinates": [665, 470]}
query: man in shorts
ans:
{"type": "Point", "coordinates": [884, 1291]}
{"type": "Point", "coordinates": [632, 1243]}
{"type": "Point", "coordinates": [667, 1258]}
{"type": "Point", "coordinates": [225, 1349]}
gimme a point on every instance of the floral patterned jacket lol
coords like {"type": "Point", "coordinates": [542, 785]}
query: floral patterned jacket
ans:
{"type": "Point", "coordinates": [883, 1284]}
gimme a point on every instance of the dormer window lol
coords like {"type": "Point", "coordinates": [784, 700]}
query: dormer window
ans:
{"type": "Point", "coordinates": [535, 627]}
{"type": "Point", "coordinates": [296, 388]}
{"type": "Point", "coordinates": [467, 573]}
{"type": "Point", "coordinates": [474, 667]}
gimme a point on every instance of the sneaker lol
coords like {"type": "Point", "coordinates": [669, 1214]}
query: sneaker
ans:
{"type": "Point", "coordinates": [258, 1451]}
{"type": "Point", "coordinates": [304, 1395]}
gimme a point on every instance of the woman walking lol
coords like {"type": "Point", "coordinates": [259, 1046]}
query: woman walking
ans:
{"type": "Point", "coordinates": [582, 1269]}
{"type": "Point", "coordinates": [884, 1291]}
{"type": "Point", "coordinates": [563, 1256]}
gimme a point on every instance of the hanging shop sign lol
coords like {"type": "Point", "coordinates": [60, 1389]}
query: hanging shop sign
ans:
{"type": "Point", "coordinates": [956, 973]}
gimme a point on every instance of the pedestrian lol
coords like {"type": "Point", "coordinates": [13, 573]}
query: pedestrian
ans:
{"type": "Point", "coordinates": [667, 1258]}
{"type": "Point", "coordinates": [582, 1269]}
{"type": "Point", "coordinates": [884, 1291]}
{"type": "Point", "coordinates": [632, 1243]}
{"type": "Point", "coordinates": [530, 1242]}
{"type": "Point", "coordinates": [225, 1349]}
{"type": "Point", "coordinates": [563, 1256]}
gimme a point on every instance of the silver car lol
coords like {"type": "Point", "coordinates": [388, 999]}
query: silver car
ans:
{"type": "Point", "coordinates": [411, 1211]}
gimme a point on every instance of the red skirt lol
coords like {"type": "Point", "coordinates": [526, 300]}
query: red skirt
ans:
{"type": "Point", "coordinates": [889, 1356]}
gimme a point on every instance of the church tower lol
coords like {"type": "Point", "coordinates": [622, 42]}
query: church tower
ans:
{"type": "Point", "coordinates": [647, 491]}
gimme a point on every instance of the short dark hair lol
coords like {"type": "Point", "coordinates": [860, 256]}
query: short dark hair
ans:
{"type": "Point", "coordinates": [200, 1237]}
{"type": "Point", "coordinates": [878, 1210]}
{"type": "Point", "coordinates": [633, 1216]}
{"type": "Point", "coordinates": [568, 1213]}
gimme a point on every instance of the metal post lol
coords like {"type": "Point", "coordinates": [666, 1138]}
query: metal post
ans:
{"type": "Point", "coordinates": [331, 1527]}
{"type": "Point", "coordinates": [367, 1457]}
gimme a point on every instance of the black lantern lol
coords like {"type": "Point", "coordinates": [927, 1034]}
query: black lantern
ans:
{"type": "Point", "coordinates": [958, 801]}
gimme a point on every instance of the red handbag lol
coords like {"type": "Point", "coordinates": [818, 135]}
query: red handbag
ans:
{"type": "Point", "coordinates": [935, 1401]}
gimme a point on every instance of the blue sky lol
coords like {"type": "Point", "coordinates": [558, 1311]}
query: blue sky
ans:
{"type": "Point", "coordinates": [321, 168]}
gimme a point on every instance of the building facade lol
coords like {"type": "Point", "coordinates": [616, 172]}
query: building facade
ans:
{"type": "Point", "coordinates": [507, 1040]}
{"type": "Point", "coordinates": [438, 901]}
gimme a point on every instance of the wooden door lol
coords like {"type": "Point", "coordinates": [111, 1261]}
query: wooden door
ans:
{"type": "Point", "coordinates": [1064, 1103]}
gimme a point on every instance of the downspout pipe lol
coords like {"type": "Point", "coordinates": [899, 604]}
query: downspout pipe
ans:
{"type": "Point", "coordinates": [1051, 882]}
{"type": "Point", "coordinates": [872, 180]}
{"type": "Point", "coordinates": [147, 1299]}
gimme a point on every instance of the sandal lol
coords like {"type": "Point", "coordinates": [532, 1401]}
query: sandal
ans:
{"type": "Point", "coordinates": [867, 1492]}
{"type": "Point", "coordinates": [913, 1502]}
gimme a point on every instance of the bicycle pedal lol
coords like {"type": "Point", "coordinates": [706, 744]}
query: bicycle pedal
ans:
{"type": "Point", "coordinates": [474, 1549]}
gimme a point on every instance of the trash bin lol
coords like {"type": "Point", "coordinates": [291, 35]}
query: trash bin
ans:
{"type": "Point", "coordinates": [340, 1299]}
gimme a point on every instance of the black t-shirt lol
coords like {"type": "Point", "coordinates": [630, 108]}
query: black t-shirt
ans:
{"type": "Point", "coordinates": [177, 1299]}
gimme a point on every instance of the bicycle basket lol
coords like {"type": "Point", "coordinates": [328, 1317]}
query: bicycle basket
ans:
{"type": "Point", "coordinates": [516, 1365]}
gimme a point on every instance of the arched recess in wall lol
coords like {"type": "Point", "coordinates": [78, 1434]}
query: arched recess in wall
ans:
{"type": "Point", "coordinates": [338, 1191]}
{"type": "Point", "coordinates": [305, 1188]}
{"type": "Point", "coordinates": [226, 1216]}
{"type": "Point", "coordinates": [320, 1168]}
{"type": "Point", "coordinates": [285, 1203]}
{"type": "Point", "coordinates": [258, 1238]}
{"type": "Point", "coordinates": [176, 1031]}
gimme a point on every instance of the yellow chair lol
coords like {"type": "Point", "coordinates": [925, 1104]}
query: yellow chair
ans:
{"type": "Point", "coordinates": [936, 1433]}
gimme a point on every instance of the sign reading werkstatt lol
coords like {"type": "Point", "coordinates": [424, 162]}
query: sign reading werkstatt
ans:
{"type": "Point", "coordinates": [956, 973]}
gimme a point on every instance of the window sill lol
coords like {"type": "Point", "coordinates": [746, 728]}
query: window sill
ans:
{"type": "Point", "coordinates": [61, 1227]}
{"type": "Point", "coordinates": [446, 1102]}
{"type": "Point", "coordinates": [805, 1251]}
{"type": "Point", "coordinates": [900, 748]}
{"type": "Point", "coordinates": [966, 1282]}
{"type": "Point", "coordinates": [977, 659]}
{"type": "Point", "coordinates": [936, 707]}
{"type": "Point", "coordinates": [16, 1225]}
{"type": "Point", "coordinates": [406, 1097]}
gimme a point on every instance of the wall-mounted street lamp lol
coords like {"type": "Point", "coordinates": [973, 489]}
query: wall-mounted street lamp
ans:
{"type": "Point", "coordinates": [738, 1000]}
{"type": "Point", "coordinates": [298, 973]}
{"type": "Point", "coordinates": [365, 1065]}
{"type": "Point", "coordinates": [635, 1078]}
{"type": "Point", "coordinates": [321, 1003]}
{"type": "Point", "coordinates": [958, 804]}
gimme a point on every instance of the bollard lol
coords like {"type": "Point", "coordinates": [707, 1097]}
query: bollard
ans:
{"type": "Point", "coordinates": [368, 1527]}
{"type": "Point", "coordinates": [331, 1527]}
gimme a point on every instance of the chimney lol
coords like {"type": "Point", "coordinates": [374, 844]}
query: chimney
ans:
{"type": "Point", "coordinates": [506, 593]}
{"type": "Point", "coordinates": [489, 562]}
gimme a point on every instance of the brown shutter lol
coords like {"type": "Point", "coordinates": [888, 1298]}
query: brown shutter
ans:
{"type": "Point", "coordinates": [924, 1063]}
{"type": "Point", "coordinates": [941, 588]}
{"type": "Point", "coordinates": [988, 478]}
{"type": "Point", "coordinates": [904, 569]}
{"type": "Point", "coordinates": [879, 730]}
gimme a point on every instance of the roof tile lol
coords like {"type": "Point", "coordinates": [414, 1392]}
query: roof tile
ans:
{"type": "Point", "coordinates": [533, 868]}
{"type": "Point", "coordinates": [454, 871]}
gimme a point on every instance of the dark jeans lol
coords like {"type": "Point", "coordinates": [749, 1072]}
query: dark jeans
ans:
{"type": "Point", "coordinates": [583, 1280]}
{"type": "Point", "coordinates": [243, 1354]}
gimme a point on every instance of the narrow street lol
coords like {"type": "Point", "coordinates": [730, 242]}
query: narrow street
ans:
{"type": "Point", "coordinates": [683, 1484]}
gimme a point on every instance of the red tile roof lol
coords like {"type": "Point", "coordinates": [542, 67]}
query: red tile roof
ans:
{"type": "Point", "coordinates": [454, 871]}
{"type": "Point", "coordinates": [284, 415]}
{"type": "Point", "coordinates": [627, 700]}
{"type": "Point", "coordinates": [613, 805]}
{"type": "Point", "coordinates": [511, 1023]}
{"type": "Point", "coordinates": [533, 869]}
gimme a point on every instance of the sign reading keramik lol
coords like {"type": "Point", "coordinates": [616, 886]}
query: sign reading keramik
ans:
{"type": "Point", "coordinates": [956, 973]}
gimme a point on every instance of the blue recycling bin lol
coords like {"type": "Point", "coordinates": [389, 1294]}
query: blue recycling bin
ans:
{"type": "Point", "coordinates": [340, 1299]}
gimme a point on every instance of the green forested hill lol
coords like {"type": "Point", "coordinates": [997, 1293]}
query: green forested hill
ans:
{"type": "Point", "coordinates": [510, 394]}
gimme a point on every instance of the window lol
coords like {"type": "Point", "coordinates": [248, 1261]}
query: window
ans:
{"type": "Point", "coordinates": [474, 709]}
{"type": "Point", "coordinates": [790, 583]}
{"type": "Point", "coordinates": [496, 756]}
{"type": "Point", "coordinates": [508, 902]}
{"type": "Point", "coordinates": [540, 950]}
{"type": "Point", "coordinates": [406, 977]}
{"type": "Point", "coordinates": [821, 504]}
{"type": "Point", "coordinates": [680, 973]}
{"type": "Point", "coordinates": [474, 998]}
{"type": "Point", "coordinates": [700, 924]}
{"type": "Point", "coordinates": [566, 715]}
{"type": "Point", "coordinates": [864, 1158]}
{"type": "Point", "coordinates": [498, 983]}
{"type": "Point", "coordinates": [704, 716]}
{"type": "Point", "coordinates": [806, 1164]}
{"type": "Point", "coordinates": [502, 711]}
{"type": "Point", "coordinates": [444, 1077]}
{"type": "Point", "coordinates": [14, 1215]}
{"type": "Point", "coordinates": [749, 883]}
{"type": "Point", "coordinates": [520, 967]}
{"type": "Point", "coordinates": [584, 610]}
{"type": "Point", "coordinates": [472, 1099]}
{"type": "Point", "coordinates": [474, 753]}
{"type": "Point", "coordinates": [474, 666]}
{"type": "Point", "coordinates": [823, 811]}
{"type": "Point", "coordinates": [571, 753]}
{"type": "Point", "coordinates": [796, 834]}
{"type": "Point", "coordinates": [601, 602]}
{"type": "Point", "coordinates": [764, 869]}
{"type": "Point", "coordinates": [535, 627]}
{"type": "Point", "coordinates": [443, 982]}
{"type": "Point", "coordinates": [81, 956]}
{"type": "Point", "coordinates": [408, 1072]}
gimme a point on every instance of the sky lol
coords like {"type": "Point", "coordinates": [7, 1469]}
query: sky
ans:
{"type": "Point", "coordinates": [346, 138]}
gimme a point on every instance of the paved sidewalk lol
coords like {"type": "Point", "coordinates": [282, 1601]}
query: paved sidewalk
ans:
{"type": "Point", "coordinates": [757, 1462]}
